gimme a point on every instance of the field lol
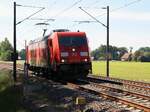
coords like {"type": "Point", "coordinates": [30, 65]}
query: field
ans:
{"type": "Point", "coordinates": [124, 70]}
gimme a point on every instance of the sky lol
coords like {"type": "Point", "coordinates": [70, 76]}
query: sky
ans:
{"type": "Point", "coordinates": [129, 20]}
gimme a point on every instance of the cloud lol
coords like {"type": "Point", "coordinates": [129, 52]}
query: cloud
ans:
{"type": "Point", "coordinates": [133, 16]}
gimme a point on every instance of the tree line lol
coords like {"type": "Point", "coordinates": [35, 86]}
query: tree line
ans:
{"type": "Point", "coordinates": [115, 53]}
{"type": "Point", "coordinates": [6, 51]}
{"type": "Point", "coordinates": [142, 54]}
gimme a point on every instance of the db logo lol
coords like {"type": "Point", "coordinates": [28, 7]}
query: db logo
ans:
{"type": "Point", "coordinates": [74, 54]}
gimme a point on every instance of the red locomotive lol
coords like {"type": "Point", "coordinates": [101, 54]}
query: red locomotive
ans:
{"type": "Point", "coordinates": [61, 54]}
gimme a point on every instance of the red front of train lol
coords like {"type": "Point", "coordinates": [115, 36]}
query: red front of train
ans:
{"type": "Point", "coordinates": [64, 54]}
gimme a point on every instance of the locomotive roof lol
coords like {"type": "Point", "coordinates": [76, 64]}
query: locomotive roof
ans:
{"type": "Point", "coordinates": [45, 37]}
{"type": "Point", "coordinates": [39, 39]}
{"type": "Point", "coordinates": [60, 30]}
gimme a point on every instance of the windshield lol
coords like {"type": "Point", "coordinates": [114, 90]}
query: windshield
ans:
{"type": "Point", "coordinates": [72, 41]}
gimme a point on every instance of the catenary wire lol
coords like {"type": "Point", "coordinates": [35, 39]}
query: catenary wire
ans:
{"type": "Point", "coordinates": [121, 7]}
{"type": "Point", "coordinates": [66, 9]}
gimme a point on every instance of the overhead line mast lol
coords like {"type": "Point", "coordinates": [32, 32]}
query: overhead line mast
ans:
{"type": "Point", "coordinates": [14, 39]}
{"type": "Point", "coordinates": [107, 27]}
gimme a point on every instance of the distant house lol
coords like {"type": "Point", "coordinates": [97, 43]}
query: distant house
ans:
{"type": "Point", "coordinates": [126, 57]}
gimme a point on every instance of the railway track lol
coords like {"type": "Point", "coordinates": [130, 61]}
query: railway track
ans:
{"type": "Point", "coordinates": [128, 82]}
{"type": "Point", "coordinates": [123, 98]}
{"type": "Point", "coordinates": [139, 87]}
{"type": "Point", "coordinates": [134, 101]}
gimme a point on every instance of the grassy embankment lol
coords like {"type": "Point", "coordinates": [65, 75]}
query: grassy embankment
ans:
{"type": "Point", "coordinates": [124, 70]}
{"type": "Point", "coordinates": [10, 95]}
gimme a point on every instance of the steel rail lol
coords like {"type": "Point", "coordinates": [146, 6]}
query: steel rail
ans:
{"type": "Point", "coordinates": [125, 82]}
{"type": "Point", "coordinates": [122, 91]}
{"type": "Point", "coordinates": [126, 85]}
{"type": "Point", "coordinates": [106, 95]}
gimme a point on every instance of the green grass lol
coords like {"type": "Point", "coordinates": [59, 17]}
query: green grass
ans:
{"type": "Point", "coordinates": [10, 95]}
{"type": "Point", "coordinates": [20, 62]}
{"type": "Point", "coordinates": [5, 61]}
{"type": "Point", "coordinates": [5, 80]}
{"type": "Point", "coordinates": [124, 70]}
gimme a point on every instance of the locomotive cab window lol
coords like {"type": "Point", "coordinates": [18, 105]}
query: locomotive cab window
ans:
{"type": "Point", "coordinates": [72, 41]}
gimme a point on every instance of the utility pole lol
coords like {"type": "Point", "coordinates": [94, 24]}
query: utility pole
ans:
{"type": "Point", "coordinates": [107, 51]}
{"type": "Point", "coordinates": [25, 64]}
{"type": "Point", "coordinates": [15, 24]}
{"type": "Point", "coordinates": [107, 27]}
{"type": "Point", "coordinates": [14, 54]}
{"type": "Point", "coordinates": [25, 51]}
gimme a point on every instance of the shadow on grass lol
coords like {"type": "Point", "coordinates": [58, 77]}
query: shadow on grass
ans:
{"type": "Point", "coordinates": [10, 95]}
{"type": "Point", "coordinates": [10, 99]}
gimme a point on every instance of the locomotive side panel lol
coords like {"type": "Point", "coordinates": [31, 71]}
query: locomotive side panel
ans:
{"type": "Point", "coordinates": [43, 54]}
{"type": "Point", "coordinates": [50, 51]}
{"type": "Point", "coordinates": [38, 54]}
{"type": "Point", "coordinates": [37, 57]}
{"type": "Point", "coordinates": [55, 50]}
{"type": "Point", "coordinates": [32, 54]}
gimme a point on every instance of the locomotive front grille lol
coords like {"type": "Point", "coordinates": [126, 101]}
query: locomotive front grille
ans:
{"type": "Point", "coordinates": [72, 67]}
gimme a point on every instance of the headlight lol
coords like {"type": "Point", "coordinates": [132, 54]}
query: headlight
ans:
{"type": "Point", "coordinates": [62, 60]}
{"type": "Point", "coordinates": [83, 53]}
{"type": "Point", "coordinates": [64, 54]}
{"type": "Point", "coordinates": [85, 60]}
